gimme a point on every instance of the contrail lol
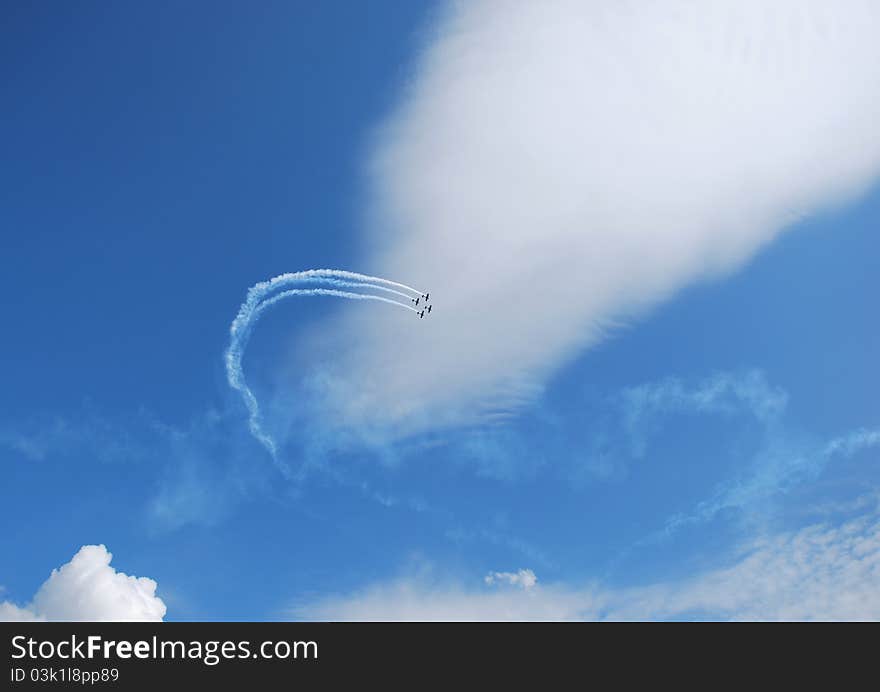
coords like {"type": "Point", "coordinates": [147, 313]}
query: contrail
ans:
{"type": "Point", "coordinates": [259, 299]}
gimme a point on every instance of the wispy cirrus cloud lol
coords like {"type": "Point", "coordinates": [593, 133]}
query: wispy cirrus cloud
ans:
{"type": "Point", "coordinates": [198, 471]}
{"type": "Point", "coordinates": [783, 458]}
{"type": "Point", "coordinates": [821, 571]}
{"type": "Point", "coordinates": [776, 469]}
{"type": "Point", "coordinates": [647, 407]}
{"type": "Point", "coordinates": [88, 432]}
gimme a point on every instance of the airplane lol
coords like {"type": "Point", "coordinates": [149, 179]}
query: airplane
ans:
{"type": "Point", "coordinates": [429, 309]}
{"type": "Point", "coordinates": [422, 313]}
{"type": "Point", "coordinates": [415, 300]}
{"type": "Point", "coordinates": [426, 296]}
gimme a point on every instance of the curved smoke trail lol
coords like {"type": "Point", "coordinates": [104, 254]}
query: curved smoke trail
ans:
{"type": "Point", "coordinates": [260, 290]}
{"type": "Point", "coordinates": [355, 284]}
{"type": "Point", "coordinates": [260, 297]}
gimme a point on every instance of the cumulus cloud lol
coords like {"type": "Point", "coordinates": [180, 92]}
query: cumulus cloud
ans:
{"type": "Point", "coordinates": [554, 167]}
{"type": "Point", "coordinates": [88, 589]}
{"type": "Point", "coordinates": [523, 578]}
{"type": "Point", "coordinates": [9, 612]}
{"type": "Point", "coordinates": [819, 572]}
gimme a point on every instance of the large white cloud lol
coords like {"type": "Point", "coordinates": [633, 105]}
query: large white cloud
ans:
{"type": "Point", "coordinates": [556, 166]}
{"type": "Point", "coordinates": [820, 572]}
{"type": "Point", "coordinates": [88, 589]}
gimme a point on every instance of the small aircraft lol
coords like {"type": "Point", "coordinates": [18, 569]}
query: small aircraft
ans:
{"type": "Point", "coordinates": [429, 309]}
{"type": "Point", "coordinates": [422, 313]}
{"type": "Point", "coordinates": [426, 296]}
{"type": "Point", "coordinates": [415, 300]}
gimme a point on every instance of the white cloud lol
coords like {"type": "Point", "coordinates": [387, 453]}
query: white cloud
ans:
{"type": "Point", "coordinates": [776, 469]}
{"type": "Point", "coordinates": [820, 572]}
{"type": "Point", "coordinates": [88, 589]}
{"type": "Point", "coordinates": [783, 459]}
{"type": "Point", "coordinates": [644, 407]}
{"type": "Point", "coordinates": [9, 612]}
{"type": "Point", "coordinates": [412, 599]}
{"type": "Point", "coordinates": [523, 578]}
{"type": "Point", "coordinates": [722, 392]}
{"type": "Point", "coordinates": [556, 166]}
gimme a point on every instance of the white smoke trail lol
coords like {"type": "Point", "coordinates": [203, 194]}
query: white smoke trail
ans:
{"type": "Point", "coordinates": [326, 292]}
{"type": "Point", "coordinates": [260, 298]}
{"type": "Point", "coordinates": [263, 288]}
{"type": "Point", "coordinates": [354, 284]}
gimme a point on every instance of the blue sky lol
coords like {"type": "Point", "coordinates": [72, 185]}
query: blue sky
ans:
{"type": "Point", "coordinates": [161, 159]}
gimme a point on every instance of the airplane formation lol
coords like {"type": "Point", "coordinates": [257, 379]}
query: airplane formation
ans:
{"type": "Point", "coordinates": [426, 309]}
